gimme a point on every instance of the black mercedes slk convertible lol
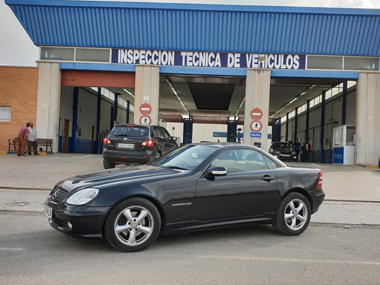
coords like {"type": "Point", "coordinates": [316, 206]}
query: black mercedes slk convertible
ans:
{"type": "Point", "coordinates": [195, 187]}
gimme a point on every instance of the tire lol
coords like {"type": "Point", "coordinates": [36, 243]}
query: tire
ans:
{"type": "Point", "coordinates": [108, 165]}
{"type": "Point", "coordinates": [158, 155]}
{"type": "Point", "coordinates": [132, 225]}
{"type": "Point", "coordinates": [293, 215]}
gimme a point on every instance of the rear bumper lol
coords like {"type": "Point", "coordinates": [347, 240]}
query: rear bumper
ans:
{"type": "Point", "coordinates": [118, 156]}
{"type": "Point", "coordinates": [317, 196]}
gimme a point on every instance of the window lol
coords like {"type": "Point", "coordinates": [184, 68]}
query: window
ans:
{"type": "Point", "coordinates": [5, 114]}
{"type": "Point", "coordinates": [57, 53]}
{"type": "Point", "coordinates": [357, 63]}
{"type": "Point", "coordinates": [165, 133]}
{"type": "Point", "coordinates": [94, 55]}
{"type": "Point", "coordinates": [240, 160]}
{"type": "Point", "coordinates": [324, 62]}
{"type": "Point", "coordinates": [159, 133]}
{"type": "Point", "coordinates": [270, 163]}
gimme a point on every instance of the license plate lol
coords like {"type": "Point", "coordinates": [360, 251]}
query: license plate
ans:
{"type": "Point", "coordinates": [285, 155]}
{"type": "Point", "coordinates": [126, 145]}
{"type": "Point", "coordinates": [48, 212]}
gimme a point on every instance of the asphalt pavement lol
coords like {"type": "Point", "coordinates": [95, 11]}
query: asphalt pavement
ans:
{"type": "Point", "coordinates": [352, 192]}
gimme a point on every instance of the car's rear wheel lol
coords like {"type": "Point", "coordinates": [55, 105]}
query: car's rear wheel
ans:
{"type": "Point", "coordinates": [132, 225]}
{"type": "Point", "coordinates": [293, 215]}
{"type": "Point", "coordinates": [158, 155]}
{"type": "Point", "coordinates": [108, 165]}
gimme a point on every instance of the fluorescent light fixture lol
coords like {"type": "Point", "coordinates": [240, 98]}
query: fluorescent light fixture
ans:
{"type": "Point", "coordinates": [295, 99]}
{"type": "Point", "coordinates": [312, 86]}
{"type": "Point", "coordinates": [241, 105]}
{"type": "Point", "coordinates": [303, 93]}
{"type": "Point", "coordinates": [176, 94]}
{"type": "Point", "coordinates": [129, 92]}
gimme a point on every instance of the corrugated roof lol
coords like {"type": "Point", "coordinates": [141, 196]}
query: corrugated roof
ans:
{"type": "Point", "coordinates": [197, 27]}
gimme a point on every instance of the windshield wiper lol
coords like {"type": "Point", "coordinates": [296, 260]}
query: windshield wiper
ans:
{"type": "Point", "coordinates": [175, 167]}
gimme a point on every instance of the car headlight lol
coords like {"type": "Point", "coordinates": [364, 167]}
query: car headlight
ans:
{"type": "Point", "coordinates": [82, 196]}
{"type": "Point", "coordinates": [293, 152]}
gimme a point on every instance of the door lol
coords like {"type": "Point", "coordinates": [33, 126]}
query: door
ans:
{"type": "Point", "coordinates": [168, 141]}
{"type": "Point", "coordinates": [245, 191]}
{"type": "Point", "coordinates": [66, 139]}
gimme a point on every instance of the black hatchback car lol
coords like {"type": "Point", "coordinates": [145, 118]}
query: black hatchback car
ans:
{"type": "Point", "coordinates": [283, 151]}
{"type": "Point", "coordinates": [136, 144]}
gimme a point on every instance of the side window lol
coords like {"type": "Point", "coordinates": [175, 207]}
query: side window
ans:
{"type": "Point", "coordinates": [240, 160]}
{"type": "Point", "coordinates": [155, 135]}
{"type": "Point", "coordinates": [165, 133]}
{"type": "Point", "coordinates": [270, 163]}
{"type": "Point", "coordinates": [254, 160]}
{"type": "Point", "coordinates": [159, 133]}
{"type": "Point", "coordinates": [229, 160]}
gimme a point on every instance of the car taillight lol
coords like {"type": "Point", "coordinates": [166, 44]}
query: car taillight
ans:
{"type": "Point", "coordinates": [106, 141]}
{"type": "Point", "coordinates": [319, 186]}
{"type": "Point", "coordinates": [148, 143]}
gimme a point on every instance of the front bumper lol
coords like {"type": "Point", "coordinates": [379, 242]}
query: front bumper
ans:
{"type": "Point", "coordinates": [285, 156]}
{"type": "Point", "coordinates": [77, 221]}
{"type": "Point", "coordinates": [317, 196]}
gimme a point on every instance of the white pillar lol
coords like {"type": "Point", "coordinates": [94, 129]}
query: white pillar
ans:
{"type": "Point", "coordinates": [257, 89]}
{"type": "Point", "coordinates": [147, 90]}
{"type": "Point", "coordinates": [48, 102]}
{"type": "Point", "coordinates": [367, 145]}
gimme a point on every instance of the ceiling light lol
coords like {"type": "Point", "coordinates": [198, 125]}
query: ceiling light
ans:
{"type": "Point", "coordinates": [176, 94]}
{"type": "Point", "coordinates": [295, 99]}
{"type": "Point", "coordinates": [303, 93]}
{"type": "Point", "coordinates": [129, 92]}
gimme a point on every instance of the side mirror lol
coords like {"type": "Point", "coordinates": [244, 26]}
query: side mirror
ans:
{"type": "Point", "coordinates": [174, 139]}
{"type": "Point", "coordinates": [219, 171]}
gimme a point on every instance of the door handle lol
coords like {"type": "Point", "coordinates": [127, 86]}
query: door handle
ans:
{"type": "Point", "coordinates": [268, 178]}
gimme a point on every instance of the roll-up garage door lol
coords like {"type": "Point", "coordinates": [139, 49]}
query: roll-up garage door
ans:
{"type": "Point", "coordinates": [84, 78]}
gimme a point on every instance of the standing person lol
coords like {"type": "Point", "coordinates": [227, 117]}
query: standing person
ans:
{"type": "Point", "coordinates": [32, 139]}
{"type": "Point", "coordinates": [297, 148]}
{"type": "Point", "coordinates": [21, 140]}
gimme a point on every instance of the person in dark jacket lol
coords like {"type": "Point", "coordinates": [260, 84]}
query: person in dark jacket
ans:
{"type": "Point", "coordinates": [297, 148]}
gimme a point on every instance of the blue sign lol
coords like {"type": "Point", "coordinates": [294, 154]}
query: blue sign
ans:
{"type": "Point", "coordinates": [219, 134]}
{"type": "Point", "coordinates": [255, 135]}
{"type": "Point", "coordinates": [338, 155]}
{"type": "Point", "coordinates": [207, 59]}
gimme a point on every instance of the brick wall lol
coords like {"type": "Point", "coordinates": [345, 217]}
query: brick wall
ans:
{"type": "Point", "coordinates": [18, 90]}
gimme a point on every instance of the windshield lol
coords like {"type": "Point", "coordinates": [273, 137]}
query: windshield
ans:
{"type": "Point", "coordinates": [282, 145]}
{"type": "Point", "coordinates": [186, 157]}
{"type": "Point", "coordinates": [130, 131]}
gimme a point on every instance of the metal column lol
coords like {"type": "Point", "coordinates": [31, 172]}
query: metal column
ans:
{"type": "Point", "coordinates": [344, 103]}
{"type": "Point", "coordinates": [323, 107]}
{"type": "Point", "coordinates": [75, 119]}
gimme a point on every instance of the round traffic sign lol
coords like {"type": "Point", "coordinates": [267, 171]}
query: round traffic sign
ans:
{"type": "Point", "coordinates": [145, 109]}
{"type": "Point", "coordinates": [256, 126]}
{"type": "Point", "coordinates": [256, 114]}
{"type": "Point", "coordinates": [145, 120]}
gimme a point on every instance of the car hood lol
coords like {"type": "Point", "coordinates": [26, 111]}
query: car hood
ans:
{"type": "Point", "coordinates": [114, 175]}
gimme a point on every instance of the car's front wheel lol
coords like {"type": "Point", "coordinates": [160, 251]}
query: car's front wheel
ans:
{"type": "Point", "coordinates": [132, 225]}
{"type": "Point", "coordinates": [293, 215]}
{"type": "Point", "coordinates": [108, 165]}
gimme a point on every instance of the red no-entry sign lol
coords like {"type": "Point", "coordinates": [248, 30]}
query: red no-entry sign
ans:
{"type": "Point", "coordinates": [145, 109]}
{"type": "Point", "coordinates": [256, 114]}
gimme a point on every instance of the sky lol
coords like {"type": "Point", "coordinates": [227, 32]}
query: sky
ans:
{"type": "Point", "coordinates": [17, 49]}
